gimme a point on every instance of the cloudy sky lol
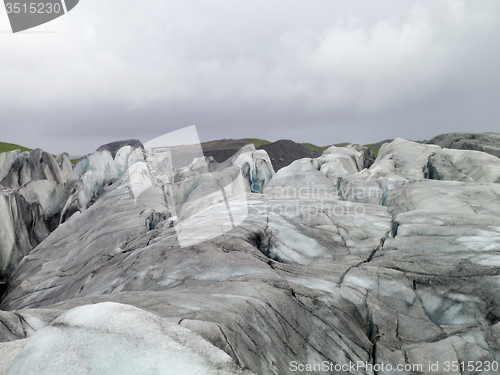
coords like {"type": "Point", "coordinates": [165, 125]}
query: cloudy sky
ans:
{"type": "Point", "coordinates": [322, 71]}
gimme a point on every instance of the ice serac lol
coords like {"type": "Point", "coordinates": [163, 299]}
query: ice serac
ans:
{"type": "Point", "coordinates": [479, 166]}
{"type": "Point", "coordinates": [20, 168]}
{"type": "Point", "coordinates": [396, 263]}
{"type": "Point", "coordinates": [255, 166]}
{"type": "Point", "coordinates": [94, 172]}
{"type": "Point", "coordinates": [38, 191]}
{"type": "Point", "coordinates": [343, 161]}
{"type": "Point", "coordinates": [23, 226]}
{"type": "Point", "coordinates": [33, 190]}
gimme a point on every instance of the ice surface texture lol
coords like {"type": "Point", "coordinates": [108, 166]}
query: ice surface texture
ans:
{"type": "Point", "coordinates": [111, 338]}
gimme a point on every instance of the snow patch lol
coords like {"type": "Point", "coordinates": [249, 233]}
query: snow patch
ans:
{"type": "Point", "coordinates": [112, 338]}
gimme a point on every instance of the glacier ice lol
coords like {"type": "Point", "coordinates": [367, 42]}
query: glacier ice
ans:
{"type": "Point", "coordinates": [38, 192]}
{"type": "Point", "coordinates": [395, 261]}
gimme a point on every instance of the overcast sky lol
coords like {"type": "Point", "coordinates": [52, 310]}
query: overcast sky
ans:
{"type": "Point", "coordinates": [320, 71]}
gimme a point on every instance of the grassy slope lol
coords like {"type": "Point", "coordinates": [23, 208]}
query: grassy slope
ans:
{"type": "Point", "coordinates": [5, 147]}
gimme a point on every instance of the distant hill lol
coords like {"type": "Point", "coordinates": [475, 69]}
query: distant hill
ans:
{"type": "Point", "coordinates": [281, 153]}
{"type": "Point", "coordinates": [5, 147]}
{"type": "Point", "coordinates": [285, 151]}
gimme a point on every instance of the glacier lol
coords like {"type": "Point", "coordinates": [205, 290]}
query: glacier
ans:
{"type": "Point", "coordinates": [238, 269]}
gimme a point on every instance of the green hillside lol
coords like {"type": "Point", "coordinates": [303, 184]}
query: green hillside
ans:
{"type": "Point", "coordinates": [314, 148]}
{"type": "Point", "coordinates": [256, 141]}
{"type": "Point", "coordinates": [5, 147]}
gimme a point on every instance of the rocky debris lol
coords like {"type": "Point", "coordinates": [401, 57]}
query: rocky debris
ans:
{"type": "Point", "coordinates": [485, 142]}
{"type": "Point", "coordinates": [395, 264]}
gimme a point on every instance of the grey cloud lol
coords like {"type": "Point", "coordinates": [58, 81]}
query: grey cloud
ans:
{"type": "Point", "coordinates": [322, 71]}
